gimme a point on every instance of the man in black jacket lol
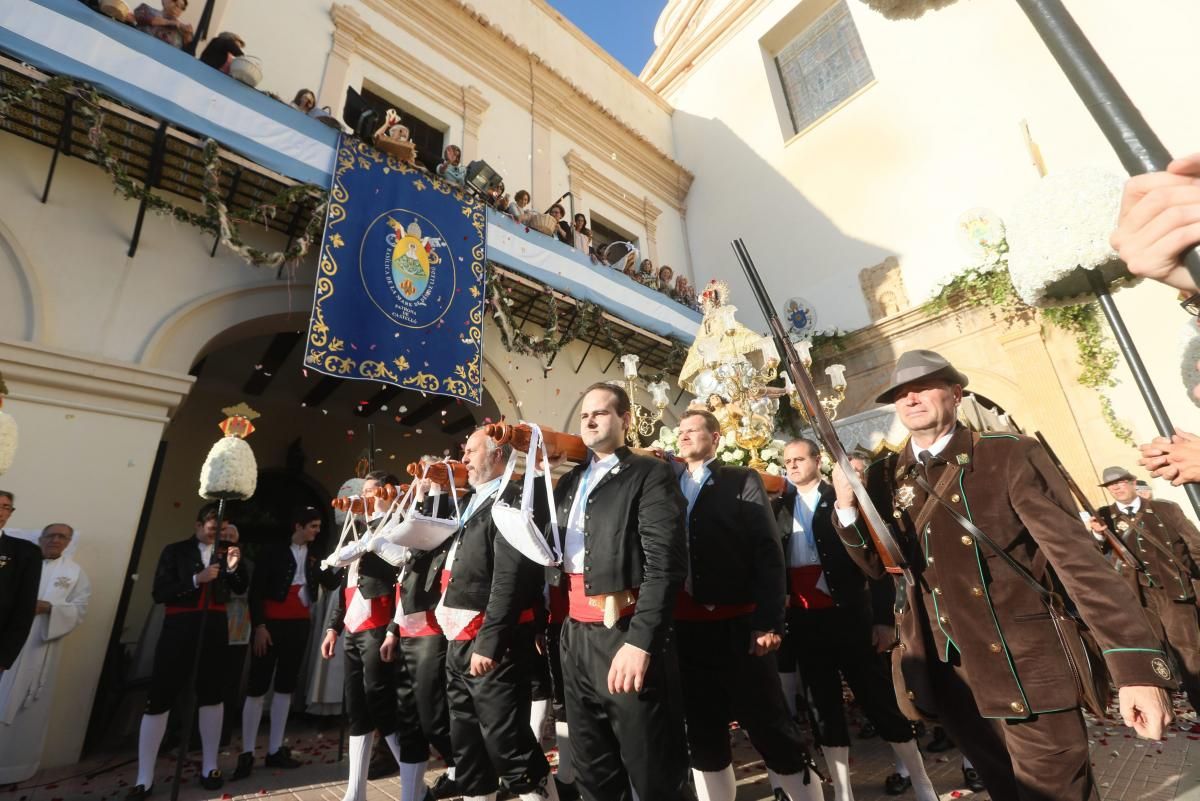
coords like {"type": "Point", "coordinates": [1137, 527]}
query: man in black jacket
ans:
{"type": "Point", "coordinates": [490, 612]}
{"type": "Point", "coordinates": [192, 575]}
{"type": "Point", "coordinates": [20, 576]}
{"type": "Point", "coordinates": [838, 626]}
{"type": "Point", "coordinates": [283, 590]}
{"type": "Point", "coordinates": [620, 520]}
{"type": "Point", "coordinates": [729, 619]}
{"type": "Point", "coordinates": [364, 605]}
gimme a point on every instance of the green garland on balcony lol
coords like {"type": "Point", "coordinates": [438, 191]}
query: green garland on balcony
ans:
{"type": "Point", "coordinates": [990, 285]}
{"type": "Point", "coordinates": [215, 218]}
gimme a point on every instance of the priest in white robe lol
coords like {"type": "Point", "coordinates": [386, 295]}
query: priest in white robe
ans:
{"type": "Point", "coordinates": [27, 689]}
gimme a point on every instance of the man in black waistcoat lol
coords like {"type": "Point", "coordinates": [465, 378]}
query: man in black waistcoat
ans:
{"type": "Point", "coordinates": [490, 613]}
{"type": "Point", "coordinates": [283, 590]}
{"type": "Point", "coordinates": [621, 536]}
{"type": "Point", "coordinates": [190, 577]}
{"type": "Point", "coordinates": [729, 620]}
{"type": "Point", "coordinates": [20, 577]}
{"type": "Point", "coordinates": [838, 624]}
{"type": "Point", "coordinates": [364, 605]}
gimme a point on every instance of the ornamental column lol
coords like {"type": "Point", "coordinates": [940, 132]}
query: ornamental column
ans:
{"type": "Point", "coordinates": [348, 30]}
{"type": "Point", "coordinates": [474, 105]}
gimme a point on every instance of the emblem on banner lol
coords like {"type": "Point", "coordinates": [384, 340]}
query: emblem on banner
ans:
{"type": "Point", "coordinates": [405, 268]}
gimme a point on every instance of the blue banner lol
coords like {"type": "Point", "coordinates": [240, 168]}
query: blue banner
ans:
{"type": "Point", "coordinates": [400, 286]}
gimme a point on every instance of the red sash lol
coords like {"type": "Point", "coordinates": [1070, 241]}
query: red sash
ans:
{"type": "Point", "coordinates": [290, 608]}
{"type": "Point", "coordinates": [429, 628]}
{"type": "Point", "coordinates": [179, 609]}
{"type": "Point", "coordinates": [686, 608]}
{"type": "Point", "coordinates": [472, 629]}
{"type": "Point", "coordinates": [579, 604]}
{"type": "Point", "coordinates": [382, 609]}
{"type": "Point", "coordinates": [804, 593]}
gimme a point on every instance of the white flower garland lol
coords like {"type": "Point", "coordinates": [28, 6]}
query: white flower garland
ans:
{"type": "Point", "coordinates": [8, 441]}
{"type": "Point", "coordinates": [1189, 355]}
{"type": "Point", "coordinates": [230, 471]}
{"type": "Point", "coordinates": [906, 9]}
{"type": "Point", "coordinates": [1062, 226]}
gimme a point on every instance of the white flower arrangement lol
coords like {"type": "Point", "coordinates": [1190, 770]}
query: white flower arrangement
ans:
{"type": "Point", "coordinates": [1189, 354]}
{"type": "Point", "coordinates": [230, 471]}
{"type": "Point", "coordinates": [728, 451]}
{"type": "Point", "coordinates": [8, 441]}
{"type": "Point", "coordinates": [1059, 231]}
{"type": "Point", "coordinates": [906, 9]}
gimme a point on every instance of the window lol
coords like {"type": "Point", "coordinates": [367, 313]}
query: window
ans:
{"type": "Point", "coordinates": [823, 66]}
{"type": "Point", "coordinates": [605, 233]}
{"type": "Point", "coordinates": [427, 138]}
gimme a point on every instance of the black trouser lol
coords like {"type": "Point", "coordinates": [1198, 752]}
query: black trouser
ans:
{"type": "Point", "coordinates": [624, 739]}
{"type": "Point", "coordinates": [175, 652]}
{"type": "Point", "coordinates": [421, 693]}
{"type": "Point", "coordinates": [282, 659]}
{"type": "Point", "coordinates": [489, 719]}
{"type": "Point", "coordinates": [1179, 624]}
{"type": "Point", "coordinates": [722, 683]}
{"type": "Point", "coordinates": [829, 644]}
{"type": "Point", "coordinates": [1043, 758]}
{"type": "Point", "coordinates": [370, 684]}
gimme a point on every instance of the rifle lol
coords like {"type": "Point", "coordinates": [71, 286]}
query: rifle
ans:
{"type": "Point", "coordinates": [1119, 548]}
{"type": "Point", "coordinates": [885, 543]}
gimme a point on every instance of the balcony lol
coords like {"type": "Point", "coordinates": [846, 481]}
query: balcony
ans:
{"type": "Point", "coordinates": [150, 95]}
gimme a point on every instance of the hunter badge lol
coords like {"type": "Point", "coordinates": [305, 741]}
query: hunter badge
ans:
{"type": "Point", "coordinates": [962, 458]}
{"type": "Point", "coordinates": [905, 496]}
{"type": "Point", "coordinates": [1122, 526]}
{"type": "Point", "coordinates": [1159, 666]}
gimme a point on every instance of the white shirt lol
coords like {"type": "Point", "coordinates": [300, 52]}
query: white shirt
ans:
{"type": "Point", "coordinates": [573, 539]}
{"type": "Point", "coordinates": [691, 482]}
{"type": "Point", "coordinates": [482, 493]}
{"type": "Point", "coordinates": [205, 556]}
{"type": "Point", "coordinates": [300, 554]}
{"type": "Point", "coordinates": [802, 547]}
{"type": "Point", "coordinates": [1130, 508]}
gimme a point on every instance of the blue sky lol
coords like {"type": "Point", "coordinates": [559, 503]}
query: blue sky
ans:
{"type": "Point", "coordinates": [625, 28]}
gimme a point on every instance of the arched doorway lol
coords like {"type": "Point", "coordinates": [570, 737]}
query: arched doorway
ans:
{"type": "Point", "coordinates": [314, 432]}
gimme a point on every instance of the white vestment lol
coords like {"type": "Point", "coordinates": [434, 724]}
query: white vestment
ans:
{"type": "Point", "coordinates": [27, 689]}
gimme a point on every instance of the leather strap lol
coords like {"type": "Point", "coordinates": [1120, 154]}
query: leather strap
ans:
{"type": "Point", "coordinates": [943, 484]}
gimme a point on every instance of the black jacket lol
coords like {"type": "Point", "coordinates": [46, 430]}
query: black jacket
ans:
{"type": "Point", "coordinates": [735, 553]}
{"type": "Point", "coordinates": [20, 577]}
{"type": "Point", "coordinates": [274, 570]}
{"type": "Point", "coordinates": [376, 578]}
{"type": "Point", "coordinates": [178, 564]}
{"type": "Point", "coordinates": [634, 539]}
{"type": "Point", "coordinates": [848, 587]}
{"type": "Point", "coordinates": [421, 578]}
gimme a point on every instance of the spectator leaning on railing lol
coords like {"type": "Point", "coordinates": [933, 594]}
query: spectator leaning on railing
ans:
{"type": "Point", "coordinates": [562, 231]}
{"type": "Point", "coordinates": [646, 274]}
{"type": "Point", "coordinates": [220, 52]}
{"type": "Point", "coordinates": [583, 234]}
{"type": "Point", "coordinates": [451, 167]}
{"type": "Point", "coordinates": [666, 280]}
{"type": "Point", "coordinates": [166, 24]}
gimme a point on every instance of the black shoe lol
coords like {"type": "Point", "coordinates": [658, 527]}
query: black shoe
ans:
{"type": "Point", "coordinates": [445, 787]}
{"type": "Point", "coordinates": [940, 742]}
{"type": "Point", "coordinates": [567, 792]}
{"type": "Point", "coordinates": [780, 795]}
{"type": "Point", "coordinates": [245, 765]}
{"type": "Point", "coordinates": [213, 781]}
{"type": "Point", "coordinates": [867, 731]}
{"type": "Point", "coordinates": [896, 784]}
{"type": "Point", "coordinates": [138, 792]}
{"type": "Point", "coordinates": [972, 780]}
{"type": "Point", "coordinates": [282, 759]}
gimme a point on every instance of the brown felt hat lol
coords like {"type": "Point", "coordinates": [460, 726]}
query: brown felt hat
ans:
{"type": "Point", "coordinates": [915, 365]}
{"type": "Point", "coordinates": [1112, 475]}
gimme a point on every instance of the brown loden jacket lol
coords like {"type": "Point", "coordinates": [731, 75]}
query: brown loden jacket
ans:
{"type": "Point", "coordinates": [1156, 526]}
{"type": "Point", "coordinates": [965, 598]}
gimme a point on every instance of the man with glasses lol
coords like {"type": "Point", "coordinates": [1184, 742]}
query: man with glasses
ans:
{"type": "Point", "coordinates": [1168, 544]}
{"type": "Point", "coordinates": [20, 573]}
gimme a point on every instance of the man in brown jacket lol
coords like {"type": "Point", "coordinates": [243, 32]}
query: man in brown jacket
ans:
{"type": "Point", "coordinates": [978, 651]}
{"type": "Point", "coordinates": [1169, 546]}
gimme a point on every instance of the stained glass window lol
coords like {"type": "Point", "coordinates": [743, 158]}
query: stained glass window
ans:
{"type": "Point", "coordinates": [823, 66]}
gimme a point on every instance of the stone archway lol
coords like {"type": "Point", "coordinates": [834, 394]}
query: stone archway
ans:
{"type": "Point", "coordinates": [21, 309]}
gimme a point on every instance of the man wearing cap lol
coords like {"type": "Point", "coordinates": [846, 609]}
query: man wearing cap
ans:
{"type": "Point", "coordinates": [1169, 546]}
{"type": "Point", "coordinates": [978, 650]}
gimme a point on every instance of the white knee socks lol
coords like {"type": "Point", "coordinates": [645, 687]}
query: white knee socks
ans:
{"type": "Point", "coordinates": [837, 759]}
{"type": "Point", "coordinates": [791, 686]}
{"type": "Point", "coordinates": [717, 785]}
{"type": "Point", "coordinates": [538, 712]}
{"type": "Point", "coordinates": [251, 718]}
{"type": "Point", "coordinates": [562, 736]}
{"type": "Point", "coordinates": [280, 704]}
{"type": "Point", "coordinates": [210, 718]}
{"type": "Point", "coordinates": [360, 759]}
{"type": "Point", "coordinates": [908, 755]}
{"type": "Point", "coordinates": [412, 780]}
{"type": "Point", "coordinates": [793, 784]}
{"type": "Point", "coordinates": [150, 737]}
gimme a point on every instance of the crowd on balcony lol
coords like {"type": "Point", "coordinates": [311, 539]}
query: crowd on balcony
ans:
{"type": "Point", "coordinates": [226, 53]}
